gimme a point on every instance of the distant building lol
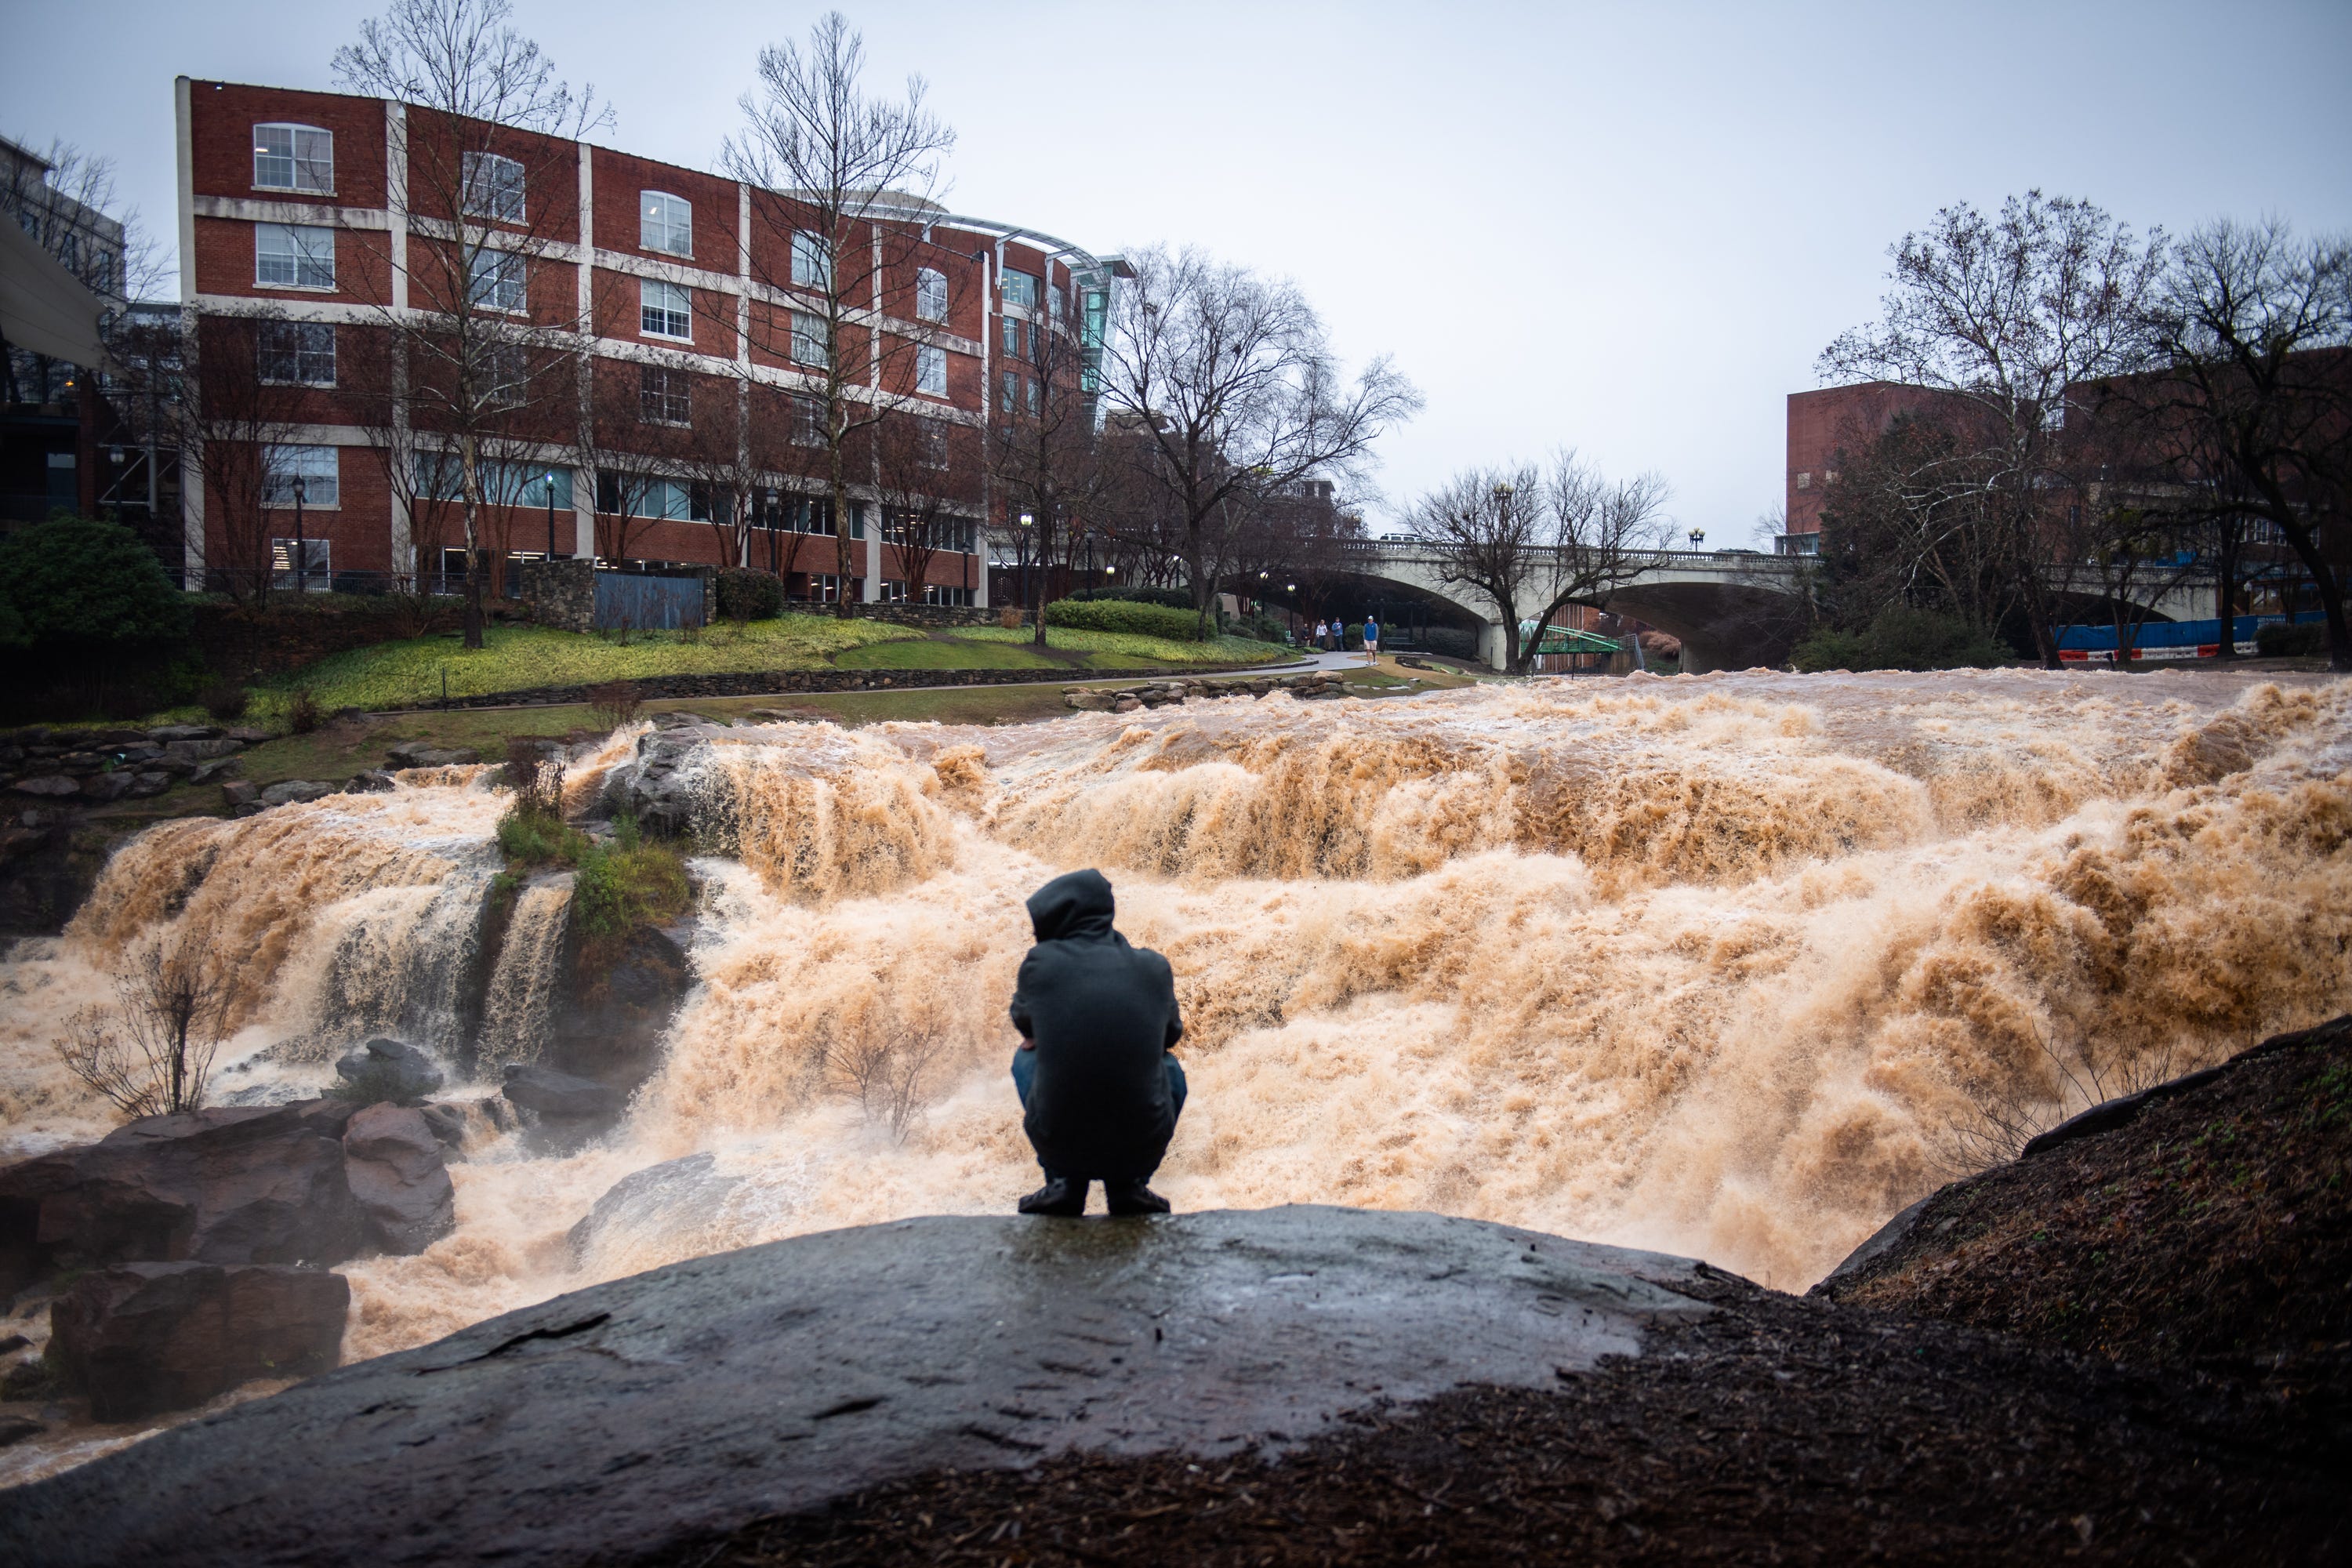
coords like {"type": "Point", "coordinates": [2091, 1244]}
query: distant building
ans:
{"type": "Point", "coordinates": [1821, 425]}
{"type": "Point", "coordinates": [49, 410]}
{"type": "Point", "coordinates": [296, 208]}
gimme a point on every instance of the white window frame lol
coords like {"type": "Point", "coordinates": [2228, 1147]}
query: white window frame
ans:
{"type": "Point", "coordinates": [808, 420]}
{"type": "Point", "coordinates": [931, 370]}
{"type": "Point", "coordinates": [676, 387]}
{"type": "Point", "coordinates": [299, 162]}
{"type": "Point", "coordinates": [317, 559]}
{"type": "Point", "coordinates": [930, 294]}
{"type": "Point", "coordinates": [506, 278]}
{"type": "Point", "coordinates": [931, 441]}
{"type": "Point", "coordinates": [304, 248]}
{"type": "Point", "coordinates": [662, 306]}
{"type": "Point", "coordinates": [497, 177]}
{"type": "Point", "coordinates": [314, 465]}
{"type": "Point", "coordinates": [305, 336]}
{"type": "Point", "coordinates": [808, 339]}
{"type": "Point", "coordinates": [510, 367]}
{"type": "Point", "coordinates": [1025, 298]}
{"type": "Point", "coordinates": [812, 261]}
{"type": "Point", "coordinates": [662, 218]}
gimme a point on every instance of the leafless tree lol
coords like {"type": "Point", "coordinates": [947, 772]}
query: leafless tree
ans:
{"type": "Point", "coordinates": [233, 420]}
{"type": "Point", "coordinates": [1532, 544]}
{"type": "Point", "coordinates": [2253, 326]}
{"type": "Point", "coordinates": [485, 330]}
{"type": "Point", "coordinates": [883, 1061]}
{"type": "Point", "coordinates": [633, 458]}
{"type": "Point", "coordinates": [2014, 1105]}
{"type": "Point", "coordinates": [2004, 315]}
{"type": "Point", "coordinates": [1232, 395]}
{"type": "Point", "coordinates": [1042, 454]}
{"type": "Point", "coordinates": [929, 505]}
{"type": "Point", "coordinates": [845, 184]}
{"type": "Point", "coordinates": [151, 1054]}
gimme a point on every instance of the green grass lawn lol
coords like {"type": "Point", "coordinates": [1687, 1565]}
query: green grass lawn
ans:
{"type": "Point", "coordinates": [1134, 652]}
{"type": "Point", "coordinates": [943, 653]}
{"type": "Point", "coordinates": [407, 673]}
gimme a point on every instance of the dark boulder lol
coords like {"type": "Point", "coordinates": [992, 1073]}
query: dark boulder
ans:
{"type": "Point", "coordinates": [424, 754]}
{"type": "Point", "coordinates": [555, 1096]}
{"type": "Point", "coordinates": [147, 1337]}
{"type": "Point", "coordinates": [17, 1429]}
{"type": "Point", "coordinates": [608, 1023]}
{"type": "Point", "coordinates": [389, 1069]}
{"type": "Point", "coordinates": [369, 781]}
{"type": "Point", "coordinates": [295, 791]}
{"type": "Point", "coordinates": [228, 1184]}
{"type": "Point", "coordinates": [393, 1162]}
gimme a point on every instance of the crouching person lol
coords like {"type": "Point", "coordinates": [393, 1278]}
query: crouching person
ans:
{"type": "Point", "coordinates": [1099, 1091]}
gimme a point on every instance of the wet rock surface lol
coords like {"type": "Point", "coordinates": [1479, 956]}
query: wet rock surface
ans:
{"type": "Point", "coordinates": [228, 1184]}
{"type": "Point", "coordinates": [393, 1160]}
{"type": "Point", "coordinates": [556, 1096]}
{"type": "Point", "coordinates": [389, 1069]}
{"type": "Point", "coordinates": [141, 1337]}
{"type": "Point", "coordinates": [629, 1418]}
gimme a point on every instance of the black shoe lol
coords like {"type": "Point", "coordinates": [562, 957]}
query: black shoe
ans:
{"type": "Point", "coordinates": [1060, 1196]}
{"type": "Point", "coordinates": [1133, 1197]}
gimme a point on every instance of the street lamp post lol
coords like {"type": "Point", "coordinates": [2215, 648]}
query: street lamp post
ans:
{"type": "Point", "coordinates": [301, 550]}
{"type": "Point", "coordinates": [551, 516]}
{"type": "Point", "coordinates": [1027, 521]}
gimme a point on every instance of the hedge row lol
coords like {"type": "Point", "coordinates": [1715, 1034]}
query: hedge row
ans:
{"type": "Point", "coordinates": [1125, 615]}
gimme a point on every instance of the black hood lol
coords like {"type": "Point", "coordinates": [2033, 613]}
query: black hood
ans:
{"type": "Point", "coordinates": [1077, 904]}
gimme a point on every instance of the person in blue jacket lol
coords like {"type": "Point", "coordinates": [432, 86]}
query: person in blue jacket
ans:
{"type": "Point", "coordinates": [1099, 1090]}
{"type": "Point", "coordinates": [1371, 640]}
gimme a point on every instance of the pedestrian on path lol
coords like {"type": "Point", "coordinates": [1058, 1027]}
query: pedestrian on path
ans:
{"type": "Point", "coordinates": [1371, 640]}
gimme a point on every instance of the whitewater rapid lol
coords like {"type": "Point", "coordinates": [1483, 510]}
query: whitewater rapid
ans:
{"type": "Point", "coordinates": [1713, 965]}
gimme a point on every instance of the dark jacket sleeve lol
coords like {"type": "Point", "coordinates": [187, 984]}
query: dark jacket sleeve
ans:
{"type": "Point", "coordinates": [1175, 1020]}
{"type": "Point", "coordinates": [1019, 1009]}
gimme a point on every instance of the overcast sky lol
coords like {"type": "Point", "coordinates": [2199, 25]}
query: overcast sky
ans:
{"type": "Point", "coordinates": [1626, 228]}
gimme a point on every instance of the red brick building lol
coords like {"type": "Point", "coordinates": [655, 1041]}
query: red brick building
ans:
{"type": "Point", "coordinates": [305, 226]}
{"type": "Point", "coordinates": [1823, 423]}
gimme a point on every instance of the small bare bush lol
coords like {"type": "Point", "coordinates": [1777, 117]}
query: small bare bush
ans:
{"type": "Point", "coordinates": [302, 712]}
{"type": "Point", "coordinates": [615, 702]}
{"type": "Point", "coordinates": [884, 1064]}
{"type": "Point", "coordinates": [152, 1053]}
{"type": "Point", "coordinates": [2003, 1117]}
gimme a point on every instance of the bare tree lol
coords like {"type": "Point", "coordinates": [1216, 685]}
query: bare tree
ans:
{"type": "Point", "coordinates": [839, 230]}
{"type": "Point", "coordinates": [2251, 325]}
{"type": "Point", "coordinates": [1532, 544]}
{"type": "Point", "coordinates": [929, 509]}
{"type": "Point", "coordinates": [233, 421]}
{"type": "Point", "coordinates": [2004, 315]}
{"type": "Point", "coordinates": [1230, 396]}
{"type": "Point", "coordinates": [1042, 454]}
{"type": "Point", "coordinates": [484, 328]}
{"type": "Point", "coordinates": [151, 1055]}
{"type": "Point", "coordinates": [883, 1061]}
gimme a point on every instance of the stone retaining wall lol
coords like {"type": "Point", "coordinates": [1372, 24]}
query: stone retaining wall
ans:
{"type": "Point", "coordinates": [780, 682]}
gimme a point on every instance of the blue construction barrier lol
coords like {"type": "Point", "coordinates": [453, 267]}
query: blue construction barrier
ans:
{"type": "Point", "coordinates": [2171, 639]}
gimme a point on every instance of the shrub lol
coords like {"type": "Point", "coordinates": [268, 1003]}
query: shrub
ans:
{"type": "Point", "coordinates": [615, 702]}
{"type": "Point", "coordinates": [2283, 639]}
{"type": "Point", "coordinates": [301, 712]}
{"type": "Point", "coordinates": [224, 699]}
{"type": "Point", "coordinates": [1174, 598]}
{"type": "Point", "coordinates": [745, 594]}
{"type": "Point", "coordinates": [1900, 637]}
{"type": "Point", "coordinates": [74, 582]}
{"type": "Point", "coordinates": [617, 891]}
{"type": "Point", "coordinates": [1125, 615]}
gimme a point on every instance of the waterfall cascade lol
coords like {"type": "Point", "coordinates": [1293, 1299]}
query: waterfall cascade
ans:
{"type": "Point", "coordinates": [1712, 965]}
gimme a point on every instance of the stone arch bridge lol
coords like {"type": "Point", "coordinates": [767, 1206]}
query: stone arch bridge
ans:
{"type": "Point", "coordinates": [1730, 608]}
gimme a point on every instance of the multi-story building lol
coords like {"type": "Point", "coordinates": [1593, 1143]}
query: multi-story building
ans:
{"type": "Point", "coordinates": [672, 303]}
{"type": "Point", "coordinates": [1822, 424]}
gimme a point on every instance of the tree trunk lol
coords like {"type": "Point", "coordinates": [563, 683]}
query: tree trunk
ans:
{"type": "Point", "coordinates": [470, 453]}
{"type": "Point", "coordinates": [1045, 532]}
{"type": "Point", "coordinates": [841, 605]}
{"type": "Point", "coordinates": [2225, 591]}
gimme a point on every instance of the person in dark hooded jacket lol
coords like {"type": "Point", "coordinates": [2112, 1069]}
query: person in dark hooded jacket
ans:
{"type": "Point", "coordinates": [1099, 1090]}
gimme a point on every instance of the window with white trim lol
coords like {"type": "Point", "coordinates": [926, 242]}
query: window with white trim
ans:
{"type": "Point", "coordinates": [808, 338]}
{"type": "Point", "coordinates": [930, 294]}
{"type": "Point", "coordinates": [296, 354]}
{"type": "Point", "coordinates": [313, 553]}
{"type": "Point", "coordinates": [496, 280]}
{"type": "Point", "coordinates": [1029, 390]}
{"type": "Point", "coordinates": [293, 256]}
{"type": "Point", "coordinates": [665, 222]}
{"type": "Point", "coordinates": [663, 396]}
{"type": "Point", "coordinates": [1012, 336]}
{"type": "Point", "coordinates": [808, 421]}
{"type": "Point", "coordinates": [293, 158]}
{"type": "Point", "coordinates": [1021, 291]}
{"type": "Point", "coordinates": [1008, 392]}
{"type": "Point", "coordinates": [315, 468]}
{"type": "Point", "coordinates": [812, 260]}
{"type": "Point", "coordinates": [493, 186]}
{"type": "Point", "coordinates": [931, 441]}
{"type": "Point", "coordinates": [506, 375]}
{"type": "Point", "coordinates": [665, 310]}
{"type": "Point", "coordinates": [931, 370]}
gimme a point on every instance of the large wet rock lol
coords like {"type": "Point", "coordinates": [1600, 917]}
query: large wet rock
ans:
{"type": "Point", "coordinates": [143, 1338]}
{"type": "Point", "coordinates": [608, 1023]}
{"type": "Point", "coordinates": [675, 1200]}
{"type": "Point", "coordinates": [227, 1184]}
{"type": "Point", "coordinates": [393, 1163]}
{"type": "Point", "coordinates": [389, 1069]}
{"type": "Point", "coordinates": [607, 1422]}
{"type": "Point", "coordinates": [560, 1097]}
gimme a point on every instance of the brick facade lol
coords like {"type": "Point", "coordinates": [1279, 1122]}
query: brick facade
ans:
{"type": "Point", "coordinates": [392, 243]}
